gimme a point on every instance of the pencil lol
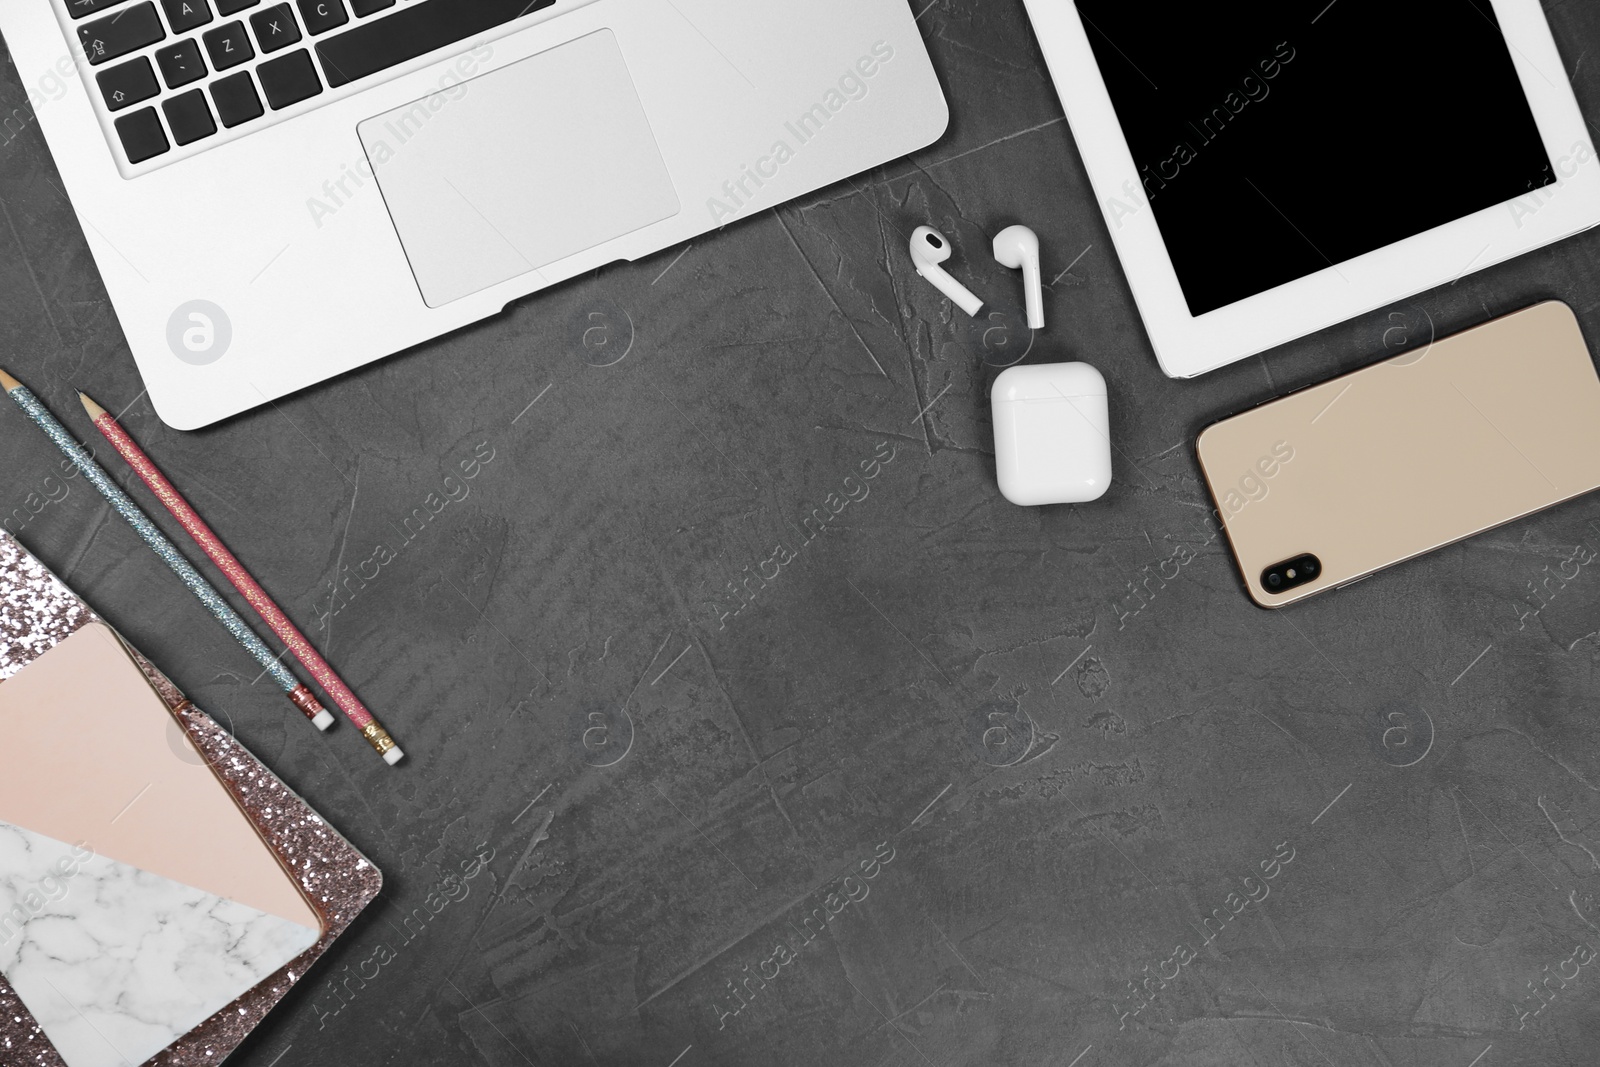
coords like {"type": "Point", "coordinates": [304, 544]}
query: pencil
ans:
{"type": "Point", "coordinates": [247, 586]}
{"type": "Point", "coordinates": [299, 695]}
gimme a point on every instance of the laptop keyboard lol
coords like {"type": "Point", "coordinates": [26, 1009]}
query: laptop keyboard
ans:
{"type": "Point", "coordinates": [166, 70]}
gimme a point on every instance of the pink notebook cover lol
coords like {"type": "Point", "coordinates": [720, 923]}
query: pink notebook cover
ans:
{"type": "Point", "coordinates": [37, 611]}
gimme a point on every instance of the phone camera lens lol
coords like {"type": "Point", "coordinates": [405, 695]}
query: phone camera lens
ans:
{"type": "Point", "coordinates": [1291, 574]}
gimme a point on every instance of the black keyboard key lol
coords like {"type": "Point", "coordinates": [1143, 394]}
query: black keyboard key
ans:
{"type": "Point", "coordinates": [185, 15]}
{"type": "Point", "coordinates": [288, 79]}
{"type": "Point", "coordinates": [363, 8]}
{"type": "Point", "coordinates": [180, 63]}
{"type": "Point", "coordinates": [275, 28]}
{"type": "Point", "coordinates": [141, 135]}
{"type": "Point", "coordinates": [228, 45]}
{"type": "Point", "coordinates": [81, 8]}
{"type": "Point", "coordinates": [233, 7]}
{"type": "Point", "coordinates": [116, 35]}
{"type": "Point", "coordinates": [189, 117]}
{"type": "Point", "coordinates": [236, 99]}
{"type": "Point", "coordinates": [127, 83]}
{"type": "Point", "coordinates": [369, 47]}
{"type": "Point", "coordinates": [320, 16]}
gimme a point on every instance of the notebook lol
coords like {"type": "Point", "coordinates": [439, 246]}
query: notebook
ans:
{"type": "Point", "coordinates": [156, 883]}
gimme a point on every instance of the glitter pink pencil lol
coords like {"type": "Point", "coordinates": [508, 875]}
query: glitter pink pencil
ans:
{"type": "Point", "coordinates": [247, 586]}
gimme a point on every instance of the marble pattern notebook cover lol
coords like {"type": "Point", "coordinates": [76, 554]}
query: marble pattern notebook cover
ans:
{"type": "Point", "coordinates": [121, 941]}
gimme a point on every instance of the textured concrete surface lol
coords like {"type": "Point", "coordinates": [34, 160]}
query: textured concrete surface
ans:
{"type": "Point", "coordinates": [939, 787]}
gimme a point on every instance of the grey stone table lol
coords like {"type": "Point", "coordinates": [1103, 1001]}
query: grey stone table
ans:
{"type": "Point", "coordinates": [784, 739]}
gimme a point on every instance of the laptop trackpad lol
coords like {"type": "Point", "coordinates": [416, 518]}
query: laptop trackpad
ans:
{"type": "Point", "coordinates": [500, 175]}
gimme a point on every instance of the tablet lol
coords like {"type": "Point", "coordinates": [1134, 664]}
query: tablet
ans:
{"type": "Point", "coordinates": [1268, 169]}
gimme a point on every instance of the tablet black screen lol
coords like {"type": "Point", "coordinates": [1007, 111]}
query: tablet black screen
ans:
{"type": "Point", "coordinates": [1276, 139]}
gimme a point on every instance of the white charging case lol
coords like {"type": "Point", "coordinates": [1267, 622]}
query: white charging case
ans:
{"type": "Point", "coordinates": [1052, 434]}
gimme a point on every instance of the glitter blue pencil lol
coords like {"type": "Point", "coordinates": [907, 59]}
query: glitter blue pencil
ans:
{"type": "Point", "coordinates": [298, 694]}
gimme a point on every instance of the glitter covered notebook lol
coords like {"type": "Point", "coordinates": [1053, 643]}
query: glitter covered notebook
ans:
{"type": "Point", "coordinates": [105, 905]}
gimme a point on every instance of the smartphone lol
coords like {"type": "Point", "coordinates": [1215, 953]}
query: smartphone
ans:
{"type": "Point", "coordinates": [1321, 488]}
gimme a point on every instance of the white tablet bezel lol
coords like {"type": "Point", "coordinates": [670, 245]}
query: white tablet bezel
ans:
{"type": "Point", "coordinates": [1187, 345]}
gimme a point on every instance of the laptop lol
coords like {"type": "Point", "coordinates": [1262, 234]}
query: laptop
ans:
{"type": "Point", "coordinates": [278, 192]}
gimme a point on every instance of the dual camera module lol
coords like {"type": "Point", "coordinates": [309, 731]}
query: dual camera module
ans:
{"type": "Point", "coordinates": [1282, 577]}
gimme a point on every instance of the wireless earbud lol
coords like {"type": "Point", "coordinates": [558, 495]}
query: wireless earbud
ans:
{"type": "Point", "coordinates": [1017, 247]}
{"type": "Point", "coordinates": [929, 249]}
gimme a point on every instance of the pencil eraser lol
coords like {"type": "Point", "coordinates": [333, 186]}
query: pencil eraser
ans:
{"type": "Point", "coordinates": [323, 720]}
{"type": "Point", "coordinates": [393, 756]}
{"type": "Point", "coordinates": [1052, 434]}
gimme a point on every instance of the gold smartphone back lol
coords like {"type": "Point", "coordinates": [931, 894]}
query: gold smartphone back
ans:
{"type": "Point", "coordinates": [1408, 455]}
